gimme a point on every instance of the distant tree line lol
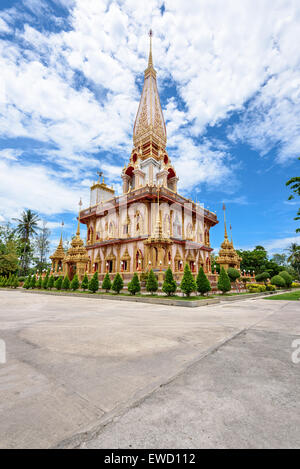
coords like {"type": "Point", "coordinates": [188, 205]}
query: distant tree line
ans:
{"type": "Point", "coordinates": [24, 246]}
{"type": "Point", "coordinates": [258, 261]}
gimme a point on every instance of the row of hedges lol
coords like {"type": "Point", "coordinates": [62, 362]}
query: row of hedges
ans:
{"type": "Point", "coordinates": [169, 287]}
{"type": "Point", "coordinates": [258, 288]}
{"type": "Point", "coordinates": [12, 281]}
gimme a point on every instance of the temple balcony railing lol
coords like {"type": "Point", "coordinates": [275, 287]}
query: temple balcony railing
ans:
{"type": "Point", "coordinates": [152, 193]}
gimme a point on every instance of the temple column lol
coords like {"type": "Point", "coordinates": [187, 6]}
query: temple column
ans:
{"type": "Point", "coordinates": [126, 180]}
{"type": "Point", "coordinates": [118, 258]}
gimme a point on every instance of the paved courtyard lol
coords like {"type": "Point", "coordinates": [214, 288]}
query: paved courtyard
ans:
{"type": "Point", "coordinates": [98, 373]}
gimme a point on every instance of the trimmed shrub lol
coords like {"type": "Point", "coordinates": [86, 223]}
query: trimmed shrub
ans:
{"type": "Point", "coordinates": [256, 288]}
{"type": "Point", "coordinates": [233, 274]}
{"type": "Point", "coordinates": [278, 281]}
{"type": "Point", "coordinates": [27, 282]}
{"type": "Point", "coordinates": [51, 282]}
{"type": "Point", "coordinates": [45, 282]}
{"type": "Point", "coordinates": [39, 283]}
{"type": "Point", "coordinates": [75, 283]}
{"type": "Point", "coordinates": [58, 283]}
{"type": "Point", "coordinates": [263, 277]}
{"type": "Point", "coordinates": [118, 283]}
{"type": "Point", "coordinates": [66, 283]}
{"type": "Point", "coordinates": [224, 281]}
{"type": "Point", "coordinates": [15, 282]}
{"type": "Point", "coordinates": [85, 282]}
{"type": "Point", "coordinates": [202, 282]}
{"type": "Point", "coordinates": [33, 282]}
{"type": "Point", "coordinates": [94, 283]}
{"type": "Point", "coordinates": [287, 278]}
{"type": "Point", "coordinates": [152, 283]}
{"type": "Point", "coordinates": [271, 287]}
{"type": "Point", "coordinates": [169, 286]}
{"type": "Point", "coordinates": [295, 285]}
{"type": "Point", "coordinates": [188, 284]}
{"type": "Point", "coordinates": [134, 286]}
{"type": "Point", "coordinates": [106, 284]}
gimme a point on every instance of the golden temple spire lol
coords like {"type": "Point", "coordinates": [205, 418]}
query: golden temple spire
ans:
{"type": "Point", "coordinates": [225, 235]}
{"type": "Point", "coordinates": [150, 60]}
{"type": "Point", "coordinates": [78, 227]}
{"type": "Point", "coordinates": [149, 127]}
{"type": "Point", "coordinates": [61, 235]}
{"type": "Point", "coordinates": [231, 234]}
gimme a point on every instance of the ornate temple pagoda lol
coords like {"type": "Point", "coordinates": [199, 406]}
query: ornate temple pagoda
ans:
{"type": "Point", "coordinates": [228, 257]}
{"type": "Point", "coordinates": [150, 225]}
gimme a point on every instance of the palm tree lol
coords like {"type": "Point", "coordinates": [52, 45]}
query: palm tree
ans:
{"type": "Point", "coordinates": [27, 227]}
{"type": "Point", "coordinates": [294, 256]}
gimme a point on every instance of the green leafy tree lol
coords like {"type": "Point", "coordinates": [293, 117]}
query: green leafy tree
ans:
{"type": "Point", "coordinates": [27, 226]}
{"type": "Point", "coordinates": [94, 283]}
{"type": "Point", "coordinates": [75, 283]}
{"type": "Point", "coordinates": [106, 284]}
{"type": "Point", "coordinates": [85, 282]}
{"type": "Point", "coordinates": [152, 283]}
{"type": "Point", "coordinates": [278, 281]}
{"type": "Point", "coordinates": [287, 278]}
{"type": "Point", "coordinates": [258, 261]}
{"type": "Point", "coordinates": [66, 283]}
{"type": "Point", "coordinates": [224, 284]}
{"type": "Point", "coordinates": [51, 282]}
{"type": "Point", "coordinates": [118, 283]}
{"type": "Point", "coordinates": [134, 286]}
{"type": "Point", "coordinates": [279, 259]}
{"type": "Point", "coordinates": [45, 281]}
{"type": "Point", "coordinates": [169, 286]}
{"type": "Point", "coordinates": [58, 283]}
{"type": "Point", "coordinates": [188, 284]}
{"type": "Point", "coordinates": [202, 282]}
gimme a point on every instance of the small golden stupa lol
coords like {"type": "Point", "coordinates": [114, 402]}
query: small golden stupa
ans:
{"type": "Point", "coordinates": [58, 256]}
{"type": "Point", "coordinates": [228, 256]}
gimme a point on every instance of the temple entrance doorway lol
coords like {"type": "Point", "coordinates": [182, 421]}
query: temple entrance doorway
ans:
{"type": "Point", "coordinates": [71, 271]}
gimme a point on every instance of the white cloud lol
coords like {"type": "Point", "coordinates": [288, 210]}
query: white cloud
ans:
{"type": "Point", "coordinates": [4, 28]}
{"type": "Point", "coordinates": [76, 89]}
{"type": "Point", "coordinates": [274, 246]}
{"type": "Point", "coordinates": [278, 245]}
{"type": "Point", "coordinates": [10, 153]}
{"type": "Point", "coordinates": [34, 188]}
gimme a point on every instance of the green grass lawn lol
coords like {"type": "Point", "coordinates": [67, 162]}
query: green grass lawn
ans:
{"type": "Point", "coordinates": [292, 296]}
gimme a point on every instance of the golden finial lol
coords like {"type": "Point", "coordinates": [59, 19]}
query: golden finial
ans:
{"type": "Point", "coordinates": [61, 234]}
{"type": "Point", "coordinates": [150, 61]}
{"type": "Point", "coordinates": [224, 208]}
{"type": "Point", "coordinates": [231, 233]}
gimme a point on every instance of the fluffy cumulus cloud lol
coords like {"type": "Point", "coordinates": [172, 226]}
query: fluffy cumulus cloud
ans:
{"type": "Point", "coordinates": [74, 87]}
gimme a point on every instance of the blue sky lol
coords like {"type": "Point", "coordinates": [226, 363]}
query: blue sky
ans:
{"type": "Point", "coordinates": [229, 82]}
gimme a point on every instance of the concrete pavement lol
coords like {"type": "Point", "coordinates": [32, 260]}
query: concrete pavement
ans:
{"type": "Point", "coordinates": [155, 376]}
